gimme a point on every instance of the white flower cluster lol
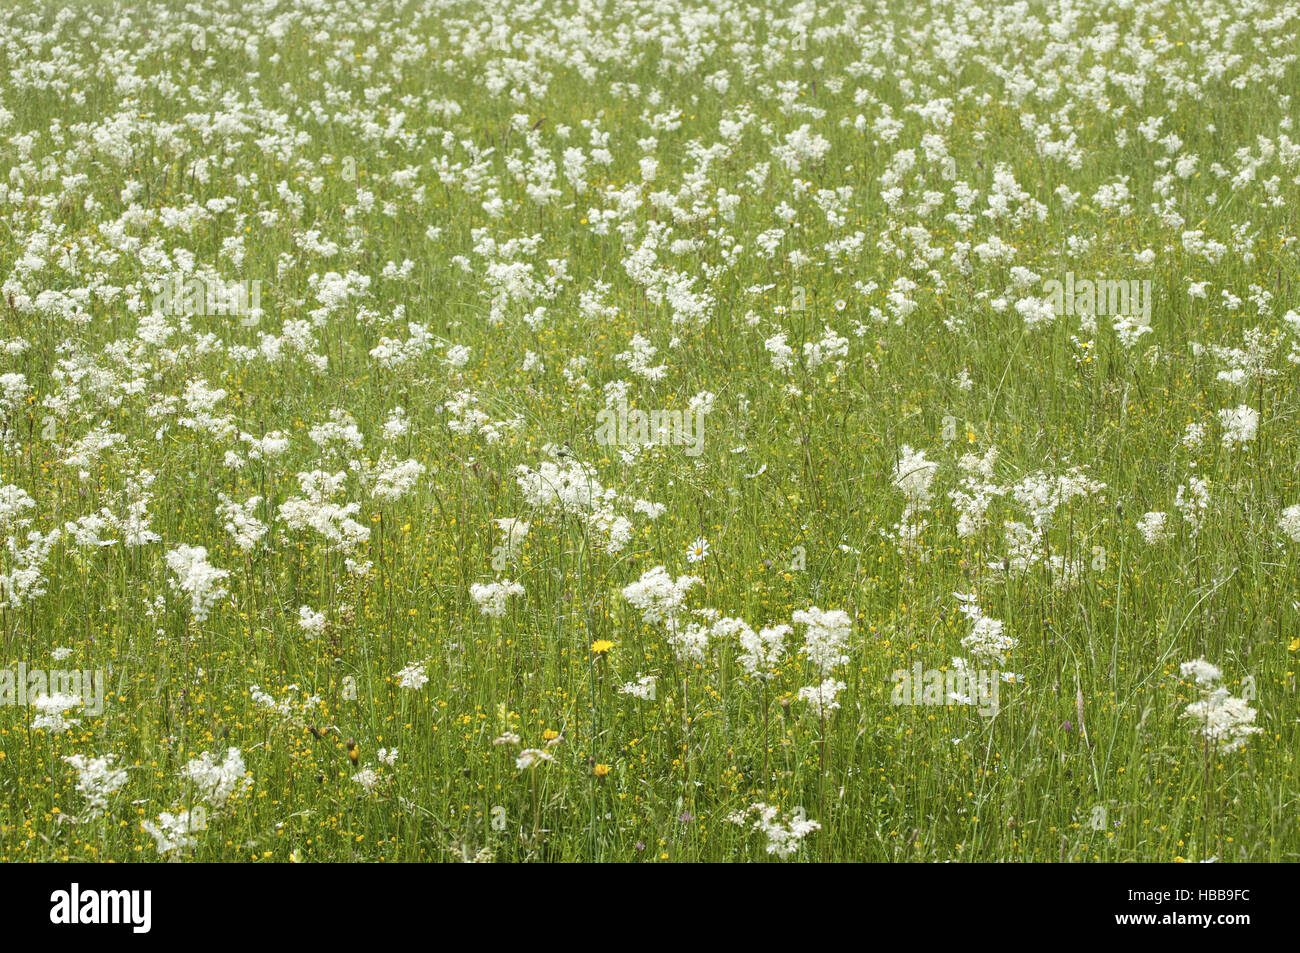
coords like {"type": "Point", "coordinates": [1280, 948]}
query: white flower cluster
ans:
{"type": "Point", "coordinates": [913, 474]}
{"type": "Point", "coordinates": [97, 781]}
{"type": "Point", "coordinates": [316, 510]}
{"type": "Point", "coordinates": [175, 832]}
{"type": "Point", "coordinates": [194, 576]}
{"type": "Point", "coordinates": [571, 487]}
{"type": "Point", "coordinates": [1222, 720]}
{"type": "Point", "coordinates": [1289, 522]}
{"type": "Point", "coordinates": [413, 676]}
{"type": "Point", "coordinates": [658, 596]}
{"type": "Point", "coordinates": [217, 781]}
{"type": "Point", "coordinates": [52, 711]}
{"type": "Point", "coordinates": [661, 601]}
{"type": "Point", "coordinates": [643, 688]}
{"type": "Point", "coordinates": [987, 639]}
{"type": "Point", "coordinates": [784, 832]}
{"type": "Point", "coordinates": [492, 596]}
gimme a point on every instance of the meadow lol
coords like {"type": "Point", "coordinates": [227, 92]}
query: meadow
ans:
{"type": "Point", "coordinates": [649, 431]}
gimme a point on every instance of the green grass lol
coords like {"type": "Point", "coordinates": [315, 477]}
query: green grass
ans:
{"type": "Point", "coordinates": [131, 98]}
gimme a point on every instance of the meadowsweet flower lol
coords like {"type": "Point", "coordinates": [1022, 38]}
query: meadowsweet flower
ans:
{"type": "Point", "coordinates": [194, 576]}
{"type": "Point", "coordinates": [241, 522]}
{"type": "Point", "coordinates": [530, 757]}
{"type": "Point", "coordinates": [762, 651]}
{"type": "Point", "coordinates": [1042, 495]}
{"type": "Point", "coordinates": [830, 348]}
{"type": "Point", "coordinates": [784, 832]}
{"type": "Point", "coordinates": [571, 487]}
{"type": "Point", "coordinates": [97, 781]}
{"type": "Point", "coordinates": [1289, 522]}
{"type": "Point", "coordinates": [217, 782]}
{"type": "Point", "coordinates": [315, 510]}
{"type": "Point", "coordinates": [976, 493]}
{"type": "Point", "coordinates": [913, 475]}
{"type": "Point", "coordinates": [1202, 671]}
{"type": "Point", "coordinates": [1239, 424]}
{"type": "Point", "coordinates": [310, 621]}
{"type": "Point", "coordinates": [394, 479]}
{"type": "Point", "coordinates": [1153, 527]}
{"type": "Point", "coordinates": [987, 639]}
{"type": "Point", "coordinates": [412, 677]}
{"type": "Point", "coordinates": [174, 832]}
{"type": "Point", "coordinates": [1219, 718]}
{"type": "Point", "coordinates": [782, 353]}
{"type": "Point", "coordinates": [368, 778]}
{"type": "Point", "coordinates": [513, 533]}
{"type": "Point", "coordinates": [658, 596]}
{"type": "Point", "coordinates": [822, 698]}
{"type": "Point", "coordinates": [827, 636]}
{"type": "Point", "coordinates": [491, 597]}
{"type": "Point", "coordinates": [1193, 502]}
{"type": "Point", "coordinates": [397, 425]}
{"type": "Point", "coordinates": [638, 359]}
{"type": "Point", "coordinates": [52, 711]}
{"type": "Point", "coordinates": [643, 688]}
